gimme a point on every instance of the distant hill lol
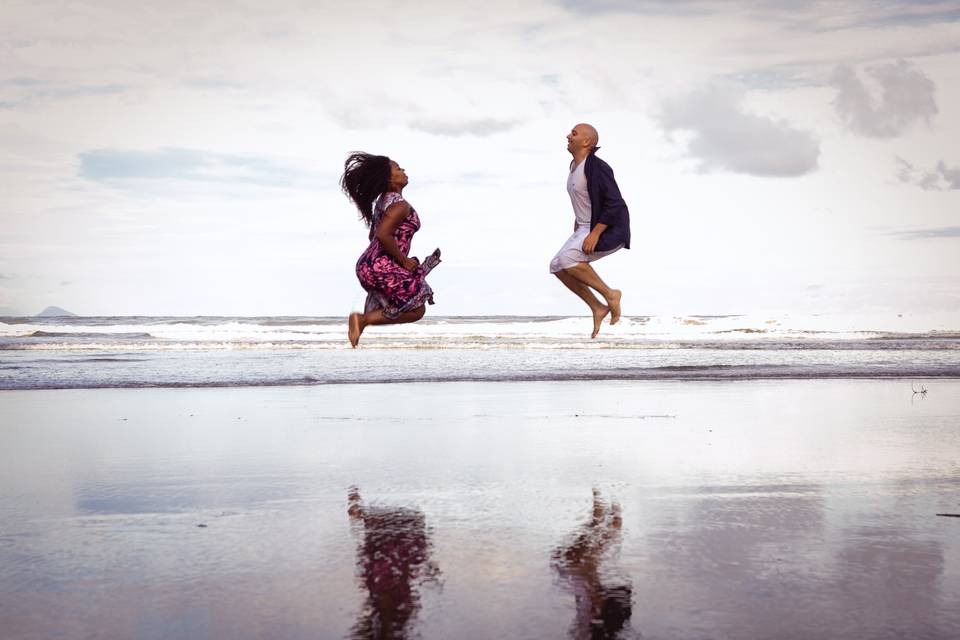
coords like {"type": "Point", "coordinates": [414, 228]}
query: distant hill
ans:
{"type": "Point", "coordinates": [51, 312]}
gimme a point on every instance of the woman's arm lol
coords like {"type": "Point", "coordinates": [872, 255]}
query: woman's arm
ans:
{"type": "Point", "coordinates": [392, 217]}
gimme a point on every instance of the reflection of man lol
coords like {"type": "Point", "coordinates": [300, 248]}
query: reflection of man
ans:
{"type": "Point", "coordinates": [602, 226]}
{"type": "Point", "coordinates": [602, 609]}
{"type": "Point", "coordinates": [393, 558]}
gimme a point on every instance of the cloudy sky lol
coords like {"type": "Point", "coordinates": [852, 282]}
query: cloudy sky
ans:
{"type": "Point", "coordinates": [182, 157]}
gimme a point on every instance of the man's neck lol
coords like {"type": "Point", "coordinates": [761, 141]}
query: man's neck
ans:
{"type": "Point", "coordinates": [579, 155]}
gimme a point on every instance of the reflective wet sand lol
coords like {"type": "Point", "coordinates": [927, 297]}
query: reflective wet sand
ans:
{"type": "Point", "coordinates": [787, 509]}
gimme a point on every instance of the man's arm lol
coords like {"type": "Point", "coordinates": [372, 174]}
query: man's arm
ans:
{"type": "Point", "coordinates": [612, 206]}
{"type": "Point", "coordinates": [590, 242]}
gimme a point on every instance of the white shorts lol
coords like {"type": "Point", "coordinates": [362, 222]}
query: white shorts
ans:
{"type": "Point", "coordinates": [571, 253]}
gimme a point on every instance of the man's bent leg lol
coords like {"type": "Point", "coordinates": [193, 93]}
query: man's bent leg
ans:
{"type": "Point", "coordinates": [584, 273]}
{"type": "Point", "coordinates": [598, 309]}
{"type": "Point", "coordinates": [582, 290]}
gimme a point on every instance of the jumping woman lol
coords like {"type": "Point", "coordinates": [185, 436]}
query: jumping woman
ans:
{"type": "Point", "coordinates": [396, 285]}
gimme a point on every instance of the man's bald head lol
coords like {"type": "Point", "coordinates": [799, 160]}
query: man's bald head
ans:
{"type": "Point", "coordinates": [581, 140]}
{"type": "Point", "coordinates": [589, 133]}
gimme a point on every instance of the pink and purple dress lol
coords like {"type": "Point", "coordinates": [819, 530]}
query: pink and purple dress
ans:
{"type": "Point", "coordinates": [388, 285]}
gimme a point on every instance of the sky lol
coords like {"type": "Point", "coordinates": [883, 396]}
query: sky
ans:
{"type": "Point", "coordinates": [183, 158]}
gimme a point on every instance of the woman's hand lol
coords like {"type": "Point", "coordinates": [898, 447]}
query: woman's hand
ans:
{"type": "Point", "coordinates": [392, 218]}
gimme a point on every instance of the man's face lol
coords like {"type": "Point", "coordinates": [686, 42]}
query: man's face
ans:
{"type": "Point", "coordinates": [578, 138]}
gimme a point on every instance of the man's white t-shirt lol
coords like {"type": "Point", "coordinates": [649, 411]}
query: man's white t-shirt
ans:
{"type": "Point", "coordinates": [579, 197]}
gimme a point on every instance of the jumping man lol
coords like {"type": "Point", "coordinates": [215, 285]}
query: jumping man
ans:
{"type": "Point", "coordinates": [602, 226]}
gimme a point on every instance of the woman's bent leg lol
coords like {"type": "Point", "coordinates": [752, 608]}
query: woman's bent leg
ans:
{"type": "Point", "coordinates": [376, 316]}
{"type": "Point", "coordinates": [360, 321]}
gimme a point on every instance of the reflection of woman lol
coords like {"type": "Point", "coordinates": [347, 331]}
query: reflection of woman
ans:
{"type": "Point", "coordinates": [393, 559]}
{"type": "Point", "coordinates": [397, 290]}
{"type": "Point", "coordinates": [602, 609]}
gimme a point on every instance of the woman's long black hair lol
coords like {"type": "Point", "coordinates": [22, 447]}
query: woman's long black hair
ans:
{"type": "Point", "coordinates": [365, 177]}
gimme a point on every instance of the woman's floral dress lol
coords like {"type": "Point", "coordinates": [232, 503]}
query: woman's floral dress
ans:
{"type": "Point", "coordinates": [388, 285]}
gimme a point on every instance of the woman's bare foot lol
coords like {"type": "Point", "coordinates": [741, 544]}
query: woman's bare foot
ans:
{"type": "Point", "coordinates": [598, 315]}
{"type": "Point", "coordinates": [354, 328]}
{"type": "Point", "coordinates": [614, 302]}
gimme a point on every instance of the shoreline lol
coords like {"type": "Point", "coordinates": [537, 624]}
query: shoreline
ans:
{"type": "Point", "coordinates": [221, 354]}
{"type": "Point", "coordinates": [512, 380]}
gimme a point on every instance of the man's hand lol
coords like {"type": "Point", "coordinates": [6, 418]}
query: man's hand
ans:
{"type": "Point", "coordinates": [590, 242]}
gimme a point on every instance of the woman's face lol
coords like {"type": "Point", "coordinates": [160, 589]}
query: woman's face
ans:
{"type": "Point", "coordinates": [398, 177]}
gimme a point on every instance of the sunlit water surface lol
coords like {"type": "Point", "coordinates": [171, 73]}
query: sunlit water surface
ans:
{"type": "Point", "coordinates": [787, 509]}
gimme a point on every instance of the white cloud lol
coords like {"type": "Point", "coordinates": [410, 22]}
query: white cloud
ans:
{"type": "Point", "coordinates": [928, 234]}
{"type": "Point", "coordinates": [725, 137]}
{"type": "Point", "coordinates": [458, 127]}
{"type": "Point", "coordinates": [940, 178]}
{"type": "Point", "coordinates": [903, 96]}
{"type": "Point", "coordinates": [20, 92]}
{"type": "Point", "coordinates": [113, 166]}
{"type": "Point", "coordinates": [890, 13]}
{"type": "Point", "coordinates": [813, 15]}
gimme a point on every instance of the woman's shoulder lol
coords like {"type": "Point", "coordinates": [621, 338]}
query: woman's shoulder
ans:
{"type": "Point", "coordinates": [389, 198]}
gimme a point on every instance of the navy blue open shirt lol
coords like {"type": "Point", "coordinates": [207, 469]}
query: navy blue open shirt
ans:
{"type": "Point", "coordinates": [606, 204]}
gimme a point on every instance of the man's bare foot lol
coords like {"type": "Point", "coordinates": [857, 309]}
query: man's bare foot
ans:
{"type": "Point", "coordinates": [598, 315]}
{"type": "Point", "coordinates": [354, 328]}
{"type": "Point", "coordinates": [616, 519]}
{"type": "Point", "coordinates": [614, 302]}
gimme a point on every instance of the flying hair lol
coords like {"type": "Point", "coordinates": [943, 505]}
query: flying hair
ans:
{"type": "Point", "coordinates": [365, 177]}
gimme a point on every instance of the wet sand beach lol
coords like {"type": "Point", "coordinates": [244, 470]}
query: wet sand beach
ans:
{"type": "Point", "coordinates": [748, 509]}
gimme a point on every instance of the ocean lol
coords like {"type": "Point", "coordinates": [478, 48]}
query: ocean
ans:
{"type": "Point", "coordinates": [730, 477]}
{"type": "Point", "coordinates": [142, 351]}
